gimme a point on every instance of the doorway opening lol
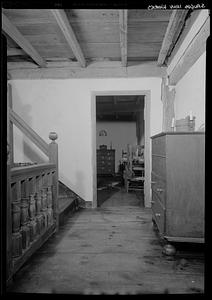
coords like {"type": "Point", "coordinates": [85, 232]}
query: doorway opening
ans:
{"type": "Point", "coordinates": [121, 148]}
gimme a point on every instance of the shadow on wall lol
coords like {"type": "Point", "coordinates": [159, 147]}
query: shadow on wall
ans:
{"type": "Point", "coordinates": [31, 154]}
{"type": "Point", "coordinates": [79, 186]}
{"type": "Point", "coordinates": [28, 147]}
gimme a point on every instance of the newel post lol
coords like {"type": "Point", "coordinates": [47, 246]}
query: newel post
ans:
{"type": "Point", "coordinates": [9, 219]}
{"type": "Point", "coordinates": [53, 158]}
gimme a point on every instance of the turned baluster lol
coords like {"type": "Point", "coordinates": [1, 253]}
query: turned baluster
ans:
{"type": "Point", "coordinates": [53, 158]}
{"type": "Point", "coordinates": [49, 205]}
{"type": "Point", "coordinates": [39, 216]}
{"type": "Point", "coordinates": [16, 223]}
{"type": "Point", "coordinates": [32, 224]}
{"type": "Point", "coordinates": [44, 207]}
{"type": "Point", "coordinates": [25, 229]}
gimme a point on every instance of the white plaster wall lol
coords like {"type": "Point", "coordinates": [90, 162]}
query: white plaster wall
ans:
{"type": "Point", "coordinates": [119, 134]}
{"type": "Point", "coordinates": [190, 93]}
{"type": "Point", "coordinates": [64, 106]}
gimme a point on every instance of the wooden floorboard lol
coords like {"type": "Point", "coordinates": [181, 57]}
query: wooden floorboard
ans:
{"type": "Point", "coordinates": [109, 250]}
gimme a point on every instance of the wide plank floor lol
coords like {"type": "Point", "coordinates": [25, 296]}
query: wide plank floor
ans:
{"type": "Point", "coordinates": [113, 249]}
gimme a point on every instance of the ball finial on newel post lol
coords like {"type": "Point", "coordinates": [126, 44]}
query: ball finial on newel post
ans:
{"type": "Point", "coordinates": [53, 136]}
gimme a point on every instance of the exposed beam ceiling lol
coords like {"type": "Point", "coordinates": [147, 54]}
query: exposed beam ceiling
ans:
{"type": "Point", "coordinates": [69, 34]}
{"type": "Point", "coordinates": [15, 34]}
{"type": "Point", "coordinates": [173, 31]}
{"type": "Point", "coordinates": [120, 37]}
{"type": "Point", "coordinates": [195, 49]}
{"type": "Point", "coordinates": [123, 35]}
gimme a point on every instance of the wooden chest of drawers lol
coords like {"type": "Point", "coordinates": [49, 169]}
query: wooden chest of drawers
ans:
{"type": "Point", "coordinates": [106, 161]}
{"type": "Point", "coordinates": [178, 177]}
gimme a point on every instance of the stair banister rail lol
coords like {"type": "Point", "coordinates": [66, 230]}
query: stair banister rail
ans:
{"type": "Point", "coordinates": [32, 198]}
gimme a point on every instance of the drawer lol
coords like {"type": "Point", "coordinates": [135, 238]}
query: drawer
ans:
{"type": "Point", "coordinates": [159, 145]}
{"type": "Point", "coordinates": [159, 165]}
{"type": "Point", "coordinates": [158, 212]}
{"type": "Point", "coordinates": [158, 185]}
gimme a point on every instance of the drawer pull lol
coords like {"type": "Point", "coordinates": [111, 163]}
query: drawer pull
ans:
{"type": "Point", "coordinates": [157, 215]}
{"type": "Point", "coordinates": [153, 182]}
{"type": "Point", "coordinates": [159, 190]}
{"type": "Point", "coordinates": [152, 202]}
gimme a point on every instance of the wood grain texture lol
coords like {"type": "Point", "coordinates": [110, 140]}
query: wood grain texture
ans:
{"type": "Point", "coordinates": [18, 263]}
{"type": "Point", "coordinates": [14, 33]}
{"type": "Point", "coordinates": [158, 181]}
{"type": "Point", "coordinates": [168, 98]}
{"type": "Point", "coordinates": [22, 173]}
{"type": "Point", "coordinates": [123, 16]}
{"type": "Point", "coordinates": [93, 15]}
{"type": "Point", "coordinates": [110, 250]}
{"type": "Point", "coordinates": [93, 70]}
{"type": "Point", "coordinates": [174, 28]}
{"type": "Point", "coordinates": [159, 165]}
{"type": "Point", "coordinates": [192, 53]}
{"type": "Point", "coordinates": [185, 185]}
{"type": "Point", "coordinates": [145, 15]}
{"type": "Point", "coordinates": [53, 158]}
{"type": "Point", "coordinates": [96, 33]}
{"type": "Point", "coordinates": [8, 224]}
{"type": "Point", "coordinates": [102, 50]}
{"type": "Point", "coordinates": [15, 51]}
{"type": "Point", "coordinates": [92, 32]}
{"type": "Point", "coordinates": [141, 32]}
{"type": "Point", "coordinates": [143, 50]}
{"type": "Point", "coordinates": [159, 145]}
{"type": "Point", "coordinates": [69, 34]}
{"type": "Point", "coordinates": [10, 125]}
{"type": "Point", "coordinates": [26, 17]}
{"type": "Point", "coordinates": [158, 212]}
{"type": "Point", "coordinates": [158, 184]}
{"type": "Point", "coordinates": [187, 26]}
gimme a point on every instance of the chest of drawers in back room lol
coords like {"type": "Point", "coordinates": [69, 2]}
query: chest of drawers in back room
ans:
{"type": "Point", "coordinates": [105, 161]}
{"type": "Point", "coordinates": [178, 179]}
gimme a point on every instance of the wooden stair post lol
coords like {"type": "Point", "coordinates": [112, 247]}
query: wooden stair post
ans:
{"type": "Point", "coordinates": [53, 158]}
{"type": "Point", "coordinates": [8, 206]}
{"type": "Point", "coordinates": [9, 219]}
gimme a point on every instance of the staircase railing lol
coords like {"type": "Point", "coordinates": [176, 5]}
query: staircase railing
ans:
{"type": "Point", "coordinates": [32, 198]}
{"type": "Point", "coordinates": [29, 132]}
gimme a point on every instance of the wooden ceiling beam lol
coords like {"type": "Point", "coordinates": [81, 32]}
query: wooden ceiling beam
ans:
{"type": "Point", "coordinates": [195, 49]}
{"type": "Point", "coordinates": [22, 42]}
{"type": "Point", "coordinates": [123, 35]}
{"type": "Point", "coordinates": [173, 31]}
{"type": "Point", "coordinates": [64, 24]}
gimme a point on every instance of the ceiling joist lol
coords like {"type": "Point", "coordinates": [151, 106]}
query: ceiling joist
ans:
{"type": "Point", "coordinates": [173, 31]}
{"type": "Point", "coordinates": [123, 35]}
{"type": "Point", "coordinates": [15, 34]}
{"type": "Point", "coordinates": [69, 34]}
